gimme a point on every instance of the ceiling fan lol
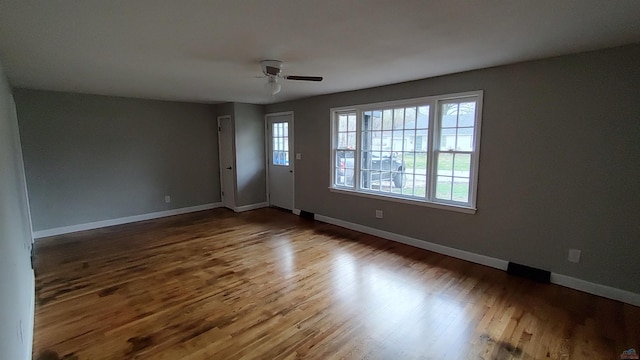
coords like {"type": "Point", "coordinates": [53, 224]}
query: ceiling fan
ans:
{"type": "Point", "coordinates": [272, 69]}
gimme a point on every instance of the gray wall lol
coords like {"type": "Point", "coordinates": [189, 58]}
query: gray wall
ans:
{"type": "Point", "coordinates": [559, 165]}
{"type": "Point", "coordinates": [250, 154]}
{"type": "Point", "coordinates": [16, 276]}
{"type": "Point", "coordinates": [90, 158]}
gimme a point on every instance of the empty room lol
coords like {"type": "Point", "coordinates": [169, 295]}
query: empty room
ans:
{"type": "Point", "coordinates": [319, 179]}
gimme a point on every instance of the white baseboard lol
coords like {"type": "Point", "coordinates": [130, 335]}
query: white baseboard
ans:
{"type": "Point", "coordinates": [122, 220]}
{"type": "Point", "coordinates": [562, 280]}
{"type": "Point", "coordinates": [296, 212]}
{"type": "Point", "coordinates": [440, 249]}
{"type": "Point", "coordinates": [596, 289]}
{"type": "Point", "coordinates": [250, 207]}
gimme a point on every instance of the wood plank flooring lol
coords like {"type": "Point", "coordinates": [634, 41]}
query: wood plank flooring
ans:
{"type": "Point", "coordinates": [267, 284]}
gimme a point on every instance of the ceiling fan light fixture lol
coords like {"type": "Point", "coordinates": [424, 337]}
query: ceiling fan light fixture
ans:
{"type": "Point", "coordinates": [273, 86]}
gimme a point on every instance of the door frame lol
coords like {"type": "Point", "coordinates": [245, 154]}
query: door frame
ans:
{"type": "Point", "coordinates": [292, 155]}
{"type": "Point", "coordinates": [220, 163]}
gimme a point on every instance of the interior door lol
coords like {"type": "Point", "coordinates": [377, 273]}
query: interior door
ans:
{"type": "Point", "coordinates": [280, 159]}
{"type": "Point", "coordinates": [227, 162]}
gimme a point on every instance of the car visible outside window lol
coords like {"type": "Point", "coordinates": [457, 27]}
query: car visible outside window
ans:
{"type": "Point", "coordinates": [422, 150]}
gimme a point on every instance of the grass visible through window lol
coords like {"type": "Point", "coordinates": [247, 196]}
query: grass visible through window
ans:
{"type": "Point", "coordinates": [445, 162]}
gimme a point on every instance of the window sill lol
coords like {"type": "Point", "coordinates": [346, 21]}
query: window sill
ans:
{"type": "Point", "coordinates": [449, 207]}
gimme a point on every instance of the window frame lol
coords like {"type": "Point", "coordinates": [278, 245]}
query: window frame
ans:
{"type": "Point", "coordinates": [433, 149]}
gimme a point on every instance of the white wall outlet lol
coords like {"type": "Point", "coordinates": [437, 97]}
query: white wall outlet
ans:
{"type": "Point", "coordinates": [298, 156]}
{"type": "Point", "coordinates": [574, 255]}
{"type": "Point", "coordinates": [379, 214]}
{"type": "Point", "coordinates": [167, 199]}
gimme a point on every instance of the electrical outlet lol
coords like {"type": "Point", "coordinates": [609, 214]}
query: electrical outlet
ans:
{"type": "Point", "coordinates": [379, 214]}
{"type": "Point", "coordinates": [298, 156]}
{"type": "Point", "coordinates": [167, 199]}
{"type": "Point", "coordinates": [574, 255]}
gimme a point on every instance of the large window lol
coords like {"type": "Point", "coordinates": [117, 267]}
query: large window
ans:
{"type": "Point", "coordinates": [421, 150]}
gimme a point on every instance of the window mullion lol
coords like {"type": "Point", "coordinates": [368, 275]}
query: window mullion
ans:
{"type": "Point", "coordinates": [357, 156]}
{"type": "Point", "coordinates": [432, 167]}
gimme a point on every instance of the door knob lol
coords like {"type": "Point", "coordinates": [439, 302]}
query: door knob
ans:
{"type": "Point", "coordinates": [291, 171]}
{"type": "Point", "coordinates": [229, 168]}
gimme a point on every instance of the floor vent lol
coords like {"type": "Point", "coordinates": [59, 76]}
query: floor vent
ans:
{"type": "Point", "coordinates": [534, 274]}
{"type": "Point", "coordinates": [306, 215]}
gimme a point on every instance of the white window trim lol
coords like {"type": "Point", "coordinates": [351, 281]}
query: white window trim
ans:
{"type": "Point", "coordinates": [434, 139]}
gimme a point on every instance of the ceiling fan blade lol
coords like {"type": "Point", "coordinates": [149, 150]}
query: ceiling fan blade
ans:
{"type": "Point", "coordinates": [303, 78]}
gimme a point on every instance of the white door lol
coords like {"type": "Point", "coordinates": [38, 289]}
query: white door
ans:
{"type": "Point", "coordinates": [280, 159]}
{"type": "Point", "coordinates": [227, 163]}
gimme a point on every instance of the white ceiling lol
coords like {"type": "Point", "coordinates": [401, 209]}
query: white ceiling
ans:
{"type": "Point", "coordinates": [209, 51]}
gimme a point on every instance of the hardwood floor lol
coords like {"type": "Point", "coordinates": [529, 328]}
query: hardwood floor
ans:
{"type": "Point", "coordinates": [269, 285]}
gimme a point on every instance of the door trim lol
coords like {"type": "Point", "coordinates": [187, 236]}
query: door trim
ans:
{"type": "Point", "coordinates": [233, 155]}
{"type": "Point", "coordinates": [292, 139]}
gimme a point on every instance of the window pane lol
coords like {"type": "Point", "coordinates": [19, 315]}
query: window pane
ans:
{"type": "Point", "coordinates": [279, 158]}
{"type": "Point", "coordinates": [468, 107]}
{"type": "Point", "coordinates": [450, 109]}
{"type": "Point", "coordinates": [367, 138]}
{"type": "Point", "coordinates": [462, 165]}
{"type": "Point", "coordinates": [460, 189]}
{"type": "Point", "coordinates": [448, 139]}
{"type": "Point", "coordinates": [387, 119]}
{"type": "Point", "coordinates": [408, 186]}
{"type": "Point", "coordinates": [352, 123]}
{"type": "Point", "coordinates": [409, 140]}
{"type": "Point", "coordinates": [373, 177]}
{"type": "Point", "coordinates": [464, 141]}
{"type": "Point", "coordinates": [376, 160]}
{"type": "Point", "coordinates": [420, 164]}
{"type": "Point", "coordinates": [423, 117]}
{"type": "Point", "coordinates": [443, 188]}
{"type": "Point", "coordinates": [344, 167]}
{"type": "Point", "coordinates": [342, 140]}
{"type": "Point", "coordinates": [449, 120]}
{"type": "Point", "coordinates": [398, 139]}
{"type": "Point", "coordinates": [407, 159]}
{"type": "Point", "coordinates": [349, 160]}
{"type": "Point", "coordinates": [398, 118]}
{"type": "Point", "coordinates": [445, 164]}
{"type": "Point", "coordinates": [366, 160]}
{"type": "Point", "coordinates": [467, 114]}
{"type": "Point", "coordinates": [420, 185]}
{"type": "Point", "coordinates": [285, 143]}
{"type": "Point", "coordinates": [387, 140]}
{"type": "Point", "coordinates": [342, 123]}
{"type": "Point", "coordinates": [410, 118]}
{"type": "Point", "coordinates": [376, 120]}
{"type": "Point", "coordinates": [421, 140]}
{"type": "Point", "coordinates": [374, 140]}
{"type": "Point", "coordinates": [351, 140]}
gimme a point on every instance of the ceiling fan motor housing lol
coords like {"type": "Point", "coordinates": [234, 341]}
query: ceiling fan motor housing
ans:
{"type": "Point", "coordinates": [271, 67]}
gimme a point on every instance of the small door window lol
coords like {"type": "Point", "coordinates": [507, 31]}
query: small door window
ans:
{"type": "Point", "coordinates": [280, 140]}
